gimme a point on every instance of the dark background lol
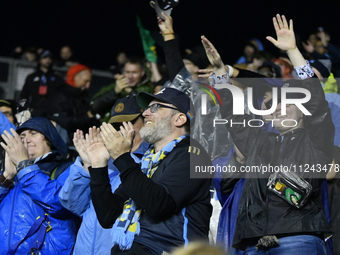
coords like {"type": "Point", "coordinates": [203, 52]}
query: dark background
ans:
{"type": "Point", "coordinates": [98, 30]}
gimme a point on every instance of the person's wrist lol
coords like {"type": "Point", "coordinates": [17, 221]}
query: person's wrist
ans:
{"type": "Point", "coordinates": [25, 162]}
{"type": "Point", "coordinates": [168, 36]}
{"type": "Point", "coordinates": [99, 164]}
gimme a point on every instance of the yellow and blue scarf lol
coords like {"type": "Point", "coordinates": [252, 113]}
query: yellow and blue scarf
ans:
{"type": "Point", "coordinates": [127, 224]}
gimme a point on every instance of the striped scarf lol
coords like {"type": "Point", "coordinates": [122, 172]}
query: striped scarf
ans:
{"type": "Point", "coordinates": [127, 224]}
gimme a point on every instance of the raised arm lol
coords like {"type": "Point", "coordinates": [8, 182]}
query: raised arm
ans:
{"type": "Point", "coordinates": [172, 53]}
{"type": "Point", "coordinates": [286, 40]}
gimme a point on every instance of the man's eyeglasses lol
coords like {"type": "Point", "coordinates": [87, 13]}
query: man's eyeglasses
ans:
{"type": "Point", "coordinates": [154, 107]}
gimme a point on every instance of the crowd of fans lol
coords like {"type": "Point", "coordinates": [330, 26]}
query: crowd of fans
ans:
{"type": "Point", "coordinates": [112, 172]}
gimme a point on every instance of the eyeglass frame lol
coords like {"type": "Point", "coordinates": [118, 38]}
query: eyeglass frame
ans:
{"type": "Point", "coordinates": [157, 107]}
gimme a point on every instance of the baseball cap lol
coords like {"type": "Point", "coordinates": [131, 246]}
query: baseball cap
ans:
{"type": "Point", "coordinates": [125, 109]}
{"type": "Point", "coordinates": [45, 54]}
{"type": "Point", "coordinates": [165, 6]}
{"type": "Point", "coordinates": [171, 96]}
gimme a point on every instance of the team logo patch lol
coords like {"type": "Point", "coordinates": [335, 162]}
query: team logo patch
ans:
{"type": "Point", "coordinates": [119, 107]}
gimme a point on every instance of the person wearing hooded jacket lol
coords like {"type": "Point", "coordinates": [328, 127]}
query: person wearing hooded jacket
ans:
{"type": "Point", "coordinates": [32, 219]}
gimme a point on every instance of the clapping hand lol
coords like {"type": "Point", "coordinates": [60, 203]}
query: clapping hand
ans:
{"type": "Point", "coordinates": [14, 147]}
{"type": "Point", "coordinates": [96, 150]}
{"type": "Point", "coordinates": [80, 144]}
{"type": "Point", "coordinates": [117, 143]}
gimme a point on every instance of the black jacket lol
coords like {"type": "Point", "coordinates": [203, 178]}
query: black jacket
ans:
{"type": "Point", "coordinates": [68, 106]}
{"type": "Point", "coordinates": [39, 86]}
{"type": "Point", "coordinates": [176, 207]}
{"type": "Point", "coordinates": [261, 212]}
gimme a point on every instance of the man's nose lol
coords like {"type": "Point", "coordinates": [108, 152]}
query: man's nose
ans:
{"type": "Point", "coordinates": [146, 112]}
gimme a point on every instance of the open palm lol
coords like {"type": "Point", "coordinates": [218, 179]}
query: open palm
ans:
{"type": "Point", "coordinates": [284, 33]}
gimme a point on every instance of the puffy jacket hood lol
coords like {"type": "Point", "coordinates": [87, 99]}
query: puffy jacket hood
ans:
{"type": "Point", "coordinates": [45, 127]}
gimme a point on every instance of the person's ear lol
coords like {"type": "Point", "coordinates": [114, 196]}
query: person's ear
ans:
{"type": "Point", "coordinates": [180, 120]}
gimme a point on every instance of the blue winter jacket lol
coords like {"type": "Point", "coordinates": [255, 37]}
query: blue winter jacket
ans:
{"type": "Point", "coordinates": [5, 124]}
{"type": "Point", "coordinates": [33, 195]}
{"type": "Point", "coordinates": [76, 196]}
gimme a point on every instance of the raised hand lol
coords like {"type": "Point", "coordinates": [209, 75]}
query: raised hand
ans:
{"type": "Point", "coordinates": [80, 144]}
{"type": "Point", "coordinates": [121, 83]}
{"type": "Point", "coordinates": [285, 35]}
{"type": "Point", "coordinates": [95, 148]}
{"type": "Point", "coordinates": [15, 148]}
{"type": "Point", "coordinates": [213, 56]}
{"type": "Point", "coordinates": [117, 143]}
{"type": "Point", "coordinates": [165, 26]}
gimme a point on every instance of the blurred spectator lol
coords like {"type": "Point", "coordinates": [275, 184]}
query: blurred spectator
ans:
{"type": "Point", "coordinates": [258, 60]}
{"type": "Point", "coordinates": [121, 59]}
{"type": "Point", "coordinates": [133, 80]}
{"type": "Point", "coordinates": [40, 84]}
{"type": "Point", "coordinates": [6, 107]}
{"type": "Point", "coordinates": [319, 47]}
{"type": "Point", "coordinates": [69, 104]}
{"type": "Point", "coordinates": [286, 67]}
{"type": "Point", "coordinates": [66, 58]}
{"type": "Point", "coordinates": [17, 52]}
{"type": "Point", "coordinates": [270, 70]}
{"type": "Point", "coordinates": [249, 52]}
{"type": "Point", "coordinates": [30, 54]}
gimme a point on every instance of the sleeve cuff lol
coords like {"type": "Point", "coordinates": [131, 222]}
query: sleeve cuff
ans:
{"type": "Point", "coordinates": [124, 162]}
{"type": "Point", "coordinates": [27, 170]}
{"type": "Point", "coordinates": [98, 175]}
{"type": "Point", "coordinates": [305, 71]}
{"type": "Point", "coordinates": [221, 79]}
{"type": "Point", "coordinates": [82, 170]}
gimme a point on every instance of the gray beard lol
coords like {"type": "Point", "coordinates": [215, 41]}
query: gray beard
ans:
{"type": "Point", "coordinates": [157, 132]}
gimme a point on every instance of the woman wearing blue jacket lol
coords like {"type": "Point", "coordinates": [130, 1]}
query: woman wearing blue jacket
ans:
{"type": "Point", "coordinates": [32, 220]}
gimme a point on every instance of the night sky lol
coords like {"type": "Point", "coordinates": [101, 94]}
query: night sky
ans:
{"type": "Point", "coordinates": [98, 30]}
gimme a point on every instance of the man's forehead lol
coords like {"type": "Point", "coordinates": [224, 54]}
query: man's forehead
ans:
{"type": "Point", "coordinates": [132, 66]}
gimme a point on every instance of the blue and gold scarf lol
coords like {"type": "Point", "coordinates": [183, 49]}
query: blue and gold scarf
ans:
{"type": "Point", "coordinates": [127, 224]}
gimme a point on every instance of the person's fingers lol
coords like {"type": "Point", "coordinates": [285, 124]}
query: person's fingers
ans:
{"type": "Point", "coordinates": [276, 25]}
{"type": "Point", "coordinates": [207, 70]}
{"type": "Point", "coordinates": [291, 25]}
{"type": "Point", "coordinates": [125, 130]}
{"type": "Point", "coordinates": [119, 76]}
{"type": "Point", "coordinates": [284, 20]}
{"type": "Point", "coordinates": [279, 20]}
{"type": "Point", "coordinates": [17, 138]}
{"type": "Point", "coordinates": [271, 39]}
{"type": "Point", "coordinates": [204, 75]}
{"type": "Point", "coordinates": [108, 132]}
{"type": "Point", "coordinates": [7, 138]}
{"type": "Point", "coordinates": [4, 146]}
